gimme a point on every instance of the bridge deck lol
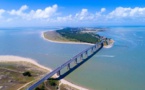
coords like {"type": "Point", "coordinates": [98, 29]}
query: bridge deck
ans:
{"type": "Point", "coordinates": [49, 75]}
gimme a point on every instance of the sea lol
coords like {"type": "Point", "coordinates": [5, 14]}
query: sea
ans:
{"type": "Point", "coordinates": [121, 67]}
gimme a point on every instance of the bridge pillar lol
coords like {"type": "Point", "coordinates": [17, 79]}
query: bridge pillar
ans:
{"type": "Point", "coordinates": [102, 44]}
{"type": "Point", "coordinates": [95, 47]}
{"type": "Point", "coordinates": [58, 73]}
{"type": "Point", "coordinates": [76, 62]}
{"type": "Point", "coordinates": [81, 57]}
{"type": "Point", "coordinates": [99, 45]}
{"type": "Point", "coordinates": [68, 66]}
{"type": "Point", "coordinates": [92, 50]}
{"type": "Point", "coordinates": [86, 54]}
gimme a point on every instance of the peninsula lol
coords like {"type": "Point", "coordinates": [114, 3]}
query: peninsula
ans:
{"type": "Point", "coordinates": [78, 35]}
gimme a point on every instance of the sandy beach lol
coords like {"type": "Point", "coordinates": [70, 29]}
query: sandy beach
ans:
{"type": "Point", "coordinates": [60, 41]}
{"type": "Point", "coordinates": [110, 45]}
{"type": "Point", "coordinates": [54, 40]}
{"type": "Point", "coordinates": [10, 58]}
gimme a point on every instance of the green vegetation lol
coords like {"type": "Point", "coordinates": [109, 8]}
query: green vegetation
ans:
{"type": "Point", "coordinates": [76, 34]}
{"type": "Point", "coordinates": [41, 87]}
{"type": "Point", "coordinates": [50, 84]}
{"type": "Point", "coordinates": [17, 74]}
{"type": "Point", "coordinates": [27, 73]}
{"type": "Point", "coordinates": [53, 82]}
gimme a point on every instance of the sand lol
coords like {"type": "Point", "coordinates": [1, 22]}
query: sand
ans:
{"type": "Point", "coordinates": [55, 35]}
{"type": "Point", "coordinates": [10, 58]}
{"type": "Point", "coordinates": [52, 39]}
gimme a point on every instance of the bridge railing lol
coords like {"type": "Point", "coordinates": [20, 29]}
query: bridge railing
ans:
{"type": "Point", "coordinates": [78, 55]}
{"type": "Point", "coordinates": [44, 78]}
{"type": "Point", "coordinates": [61, 67]}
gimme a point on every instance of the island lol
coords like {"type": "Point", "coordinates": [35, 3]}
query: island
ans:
{"type": "Point", "coordinates": [78, 35]}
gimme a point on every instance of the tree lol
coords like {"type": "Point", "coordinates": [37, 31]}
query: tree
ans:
{"type": "Point", "coordinates": [27, 73]}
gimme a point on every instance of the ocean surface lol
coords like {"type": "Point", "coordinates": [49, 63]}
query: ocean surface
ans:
{"type": "Point", "coordinates": [121, 67]}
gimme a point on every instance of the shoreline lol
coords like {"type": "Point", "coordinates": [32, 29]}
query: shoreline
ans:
{"type": "Point", "coordinates": [111, 45]}
{"type": "Point", "coordinates": [11, 58]}
{"type": "Point", "coordinates": [67, 42]}
{"type": "Point", "coordinates": [70, 42]}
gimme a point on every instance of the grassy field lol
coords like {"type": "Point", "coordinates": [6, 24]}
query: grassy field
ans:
{"type": "Point", "coordinates": [12, 78]}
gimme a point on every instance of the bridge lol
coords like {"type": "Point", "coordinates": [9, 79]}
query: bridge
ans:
{"type": "Point", "coordinates": [78, 60]}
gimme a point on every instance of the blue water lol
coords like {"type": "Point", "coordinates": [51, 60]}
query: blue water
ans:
{"type": "Point", "coordinates": [121, 67]}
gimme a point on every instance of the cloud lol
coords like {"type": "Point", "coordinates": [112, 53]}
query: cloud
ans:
{"type": "Point", "coordinates": [65, 18]}
{"type": "Point", "coordinates": [34, 14]}
{"type": "Point", "coordinates": [84, 15]}
{"type": "Point", "coordinates": [100, 13]}
{"type": "Point", "coordinates": [1, 12]}
{"type": "Point", "coordinates": [81, 15]}
{"type": "Point", "coordinates": [19, 12]}
{"type": "Point", "coordinates": [46, 13]}
{"type": "Point", "coordinates": [121, 15]}
{"type": "Point", "coordinates": [103, 10]}
{"type": "Point", "coordinates": [121, 12]}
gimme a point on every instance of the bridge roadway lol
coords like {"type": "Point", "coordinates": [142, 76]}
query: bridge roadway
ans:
{"type": "Point", "coordinates": [57, 70]}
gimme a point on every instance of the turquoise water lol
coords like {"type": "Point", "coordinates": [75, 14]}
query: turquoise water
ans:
{"type": "Point", "coordinates": [121, 67]}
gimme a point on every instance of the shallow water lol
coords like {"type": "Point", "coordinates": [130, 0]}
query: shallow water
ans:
{"type": "Point", "coordinates": [121, 67]}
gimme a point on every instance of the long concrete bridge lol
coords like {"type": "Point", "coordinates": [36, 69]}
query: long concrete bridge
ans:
{"type": "Point", "coordinates": [76, 59]}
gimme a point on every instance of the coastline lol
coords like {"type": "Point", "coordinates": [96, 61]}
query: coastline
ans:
{"type": "Point", "coordinates": [11, 58]}
{"type": "Point", "coordinates": [68, 42]}
{"type": "Point", "coordinates": [110, 45]}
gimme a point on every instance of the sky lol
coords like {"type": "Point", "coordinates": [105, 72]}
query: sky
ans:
{"type": "Point", "coordinates": [27, 13]}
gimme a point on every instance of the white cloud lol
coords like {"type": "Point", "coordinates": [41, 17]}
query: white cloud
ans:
{"type": "Point", "coordinates": [121, 12]}
{"type": "Point", "coordinates": [100, 15]}
{"type": "Point", "coordinates": [84, 15]}
{"type": "Point", "coordinates": [19, 12]}
{"type": "Point", "coordinates": [46, 13]}
{"type": "Point", "coordinates": [66, 18]}
{"type": "Point", "coordinates": [1, 12]}
{"type": "Point", "coordinates": [50, 15]}
{"type": "Point", "coordinates": [137, 12]}
{"type": "Point", "coordinates": [38, 14]}
{"type": "Point", "coordinates": [103, 10]}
